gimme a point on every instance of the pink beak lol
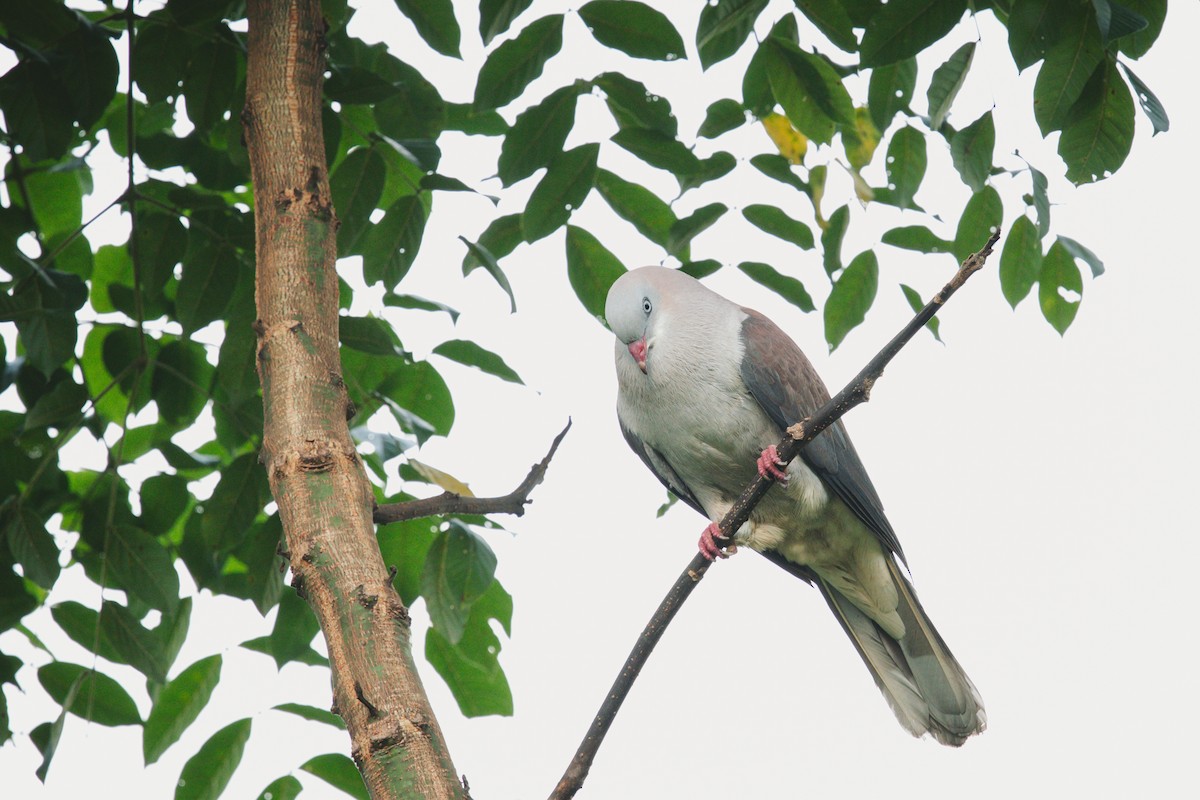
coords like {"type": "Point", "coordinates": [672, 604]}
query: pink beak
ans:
{"type": "Point", "coordinates": [638, 351]}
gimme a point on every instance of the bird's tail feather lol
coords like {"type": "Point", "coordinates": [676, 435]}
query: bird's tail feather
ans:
{"type": "Point", "coordinates": [923, 683]}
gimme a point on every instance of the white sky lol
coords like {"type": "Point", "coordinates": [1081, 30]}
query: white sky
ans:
{"type": "Point", "coordinates": [1038, 484]}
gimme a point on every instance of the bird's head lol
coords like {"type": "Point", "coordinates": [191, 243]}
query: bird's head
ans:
{"type": "Point", "coordinates": [634, 310]}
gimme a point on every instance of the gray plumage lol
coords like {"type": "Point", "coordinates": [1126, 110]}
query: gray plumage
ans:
{"type": "Point", "coordinates": [704, 387]}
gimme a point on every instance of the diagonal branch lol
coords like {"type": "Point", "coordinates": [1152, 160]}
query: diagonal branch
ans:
{"type": "Point", "coordinates": [856, 392]}
{"type": "Point", "coordinates": [451, 503]}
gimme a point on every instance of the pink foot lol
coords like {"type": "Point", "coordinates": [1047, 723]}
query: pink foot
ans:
{"type": "Point", "coordinates": [710, 548]}
{"type": "Point", "coordinates": [769, 464]}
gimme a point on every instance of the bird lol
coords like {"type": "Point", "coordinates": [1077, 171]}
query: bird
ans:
{"type": "Point", "coordinates": [706, 388]}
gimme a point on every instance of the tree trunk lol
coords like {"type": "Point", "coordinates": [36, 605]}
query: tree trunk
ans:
{"type": "Point", "coordinates": [324, 498]}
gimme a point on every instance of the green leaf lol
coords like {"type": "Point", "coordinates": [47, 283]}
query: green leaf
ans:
{"type": "Point", "coordinates": [210, 81]}
{"type": "Point", "coordinates": [1065, 72]}
{"type": "Point", "coordinates": [1040, 201]}
{"type": "Point", "coordinates": [55, 198]}
{"type": "Point", "coordinates": [294, 629]}
{"type": "Point", "coordinates": [339, 771]}
{"type": "Point", "coordinates": [369, 335]}
{"type": "Point", "coordinates": [916, 237]}
{"type": "Point", "coordinates": [286, 787]}
{"type": "Point", "coordinates": [634, 106]}
{"type": "Point", "coordinates": [1078, 251]}
{"type": "Point", "coordinates": [538, 135]}
{"type": "Point", "coordinates": [239, 496]}
{"type": "Point", "coordinates": [809, 89]}
{"type": "Point", "coordinates": [658, 150]}
{"type": "Point", "coordinates": [591, 269]}
{"type": "Point", "coordinates": [206, 774]}
{"type": "Point", "coordinates": [136, 645]}
{"type": "Point", "coordinates": [722, 117]}
{"type": "Point", "coordinates": [1151, 105]}
{"type": "Point", "coordinates": [420, 389]}
{"type": "Point", "coordinates": [356, 186]}
{"type": "Point", "coordinates": [33, 547]}
{"type": "Point", "coordinates": [708, 169]}
{"type": "Point", "coordinates": [1020, 261]}
{"type": "Point", "coordinates": [906, 163]}
{"type": "Point", "coordinates": [434, 20]}
{"type": "Point", "coordinates": [178, 705]}
{"type": "Point", "coordinates": [724, 27]}
{"type": "Point", "coordinates": [982, 216]}
{"type": "Point", "coordinates": [37, 110]}
{"type": "Point", "coordinates": [831, 240]}
{"type": "Point", "coordinates": [691, 226]}
{"type": "Point", "coordinates": [972, 149]}
{"type": "Point", "coordinates": [413, 108]}
{"type": "Point", "coordinates": [633, 28]}
{"type": "Point", "coordinates": [890, 91]}
{"type": "Point", "coordinates": [458, 569]}
{"type": "Point", "coordinates": [210, 269]}
{"type": "Point", "coordinates": [181, 381]}
{"type": "Point", "coordinates": [916, 304]}
{"type": "Point", "coordinates": [775, 222]}
{"type": "Point", "coordinates": [163, 499]}
{"type": "Point", "coordinates": [1099, 130]}
{"type": "Point", "coordinates": [832, 20]}
{"type": "Point", "coordinates": [391, 244]}
{"type": "Point", "coordinates": [82, 625]}
{"type": "Point", "coordinates": [946, 82]}
{"type": "Point", "coordinates": [404, 546]}
{"type": "Point", "coordinates": [700, 269]}
{"type": "Point", "coordinates": [412, 301]}
{"type": "Point", "coordinates": [903, 28]}
{"type": "Point", "coordinates": [471, 668]}
{"type": "Point", "coordinates": [1059, 273]}
{"type": "Point", "coordinates": [851, 297]}
{"type": "Point", "coordinates": [514, 64]}
{"type": "Point", "coordinates": [478, 255]}
{"type": "Point", "coordinates": [313, 714]}
{"type": "Point", "coordinates": [1034, 26]}
{"type": "Point", "coordinates": [777, 167]}
{"type": "Point", "coordinates": [62, 403]}
{"type": "Point", "coordinates": [637, 205]}
{"type": "Point", "coordinates": [142, 567]}
{"type": "Point", "coordinates": [1116, 21]}
{"type": "Point", "coordinates": [496, 15]}
{"type": "Point", "coordinates": [473, 355]}
{"type": "Point", "coordinates": [1136, 45]}
{"type": "Point", "coordinates": [561, 190]}
{"type": "Point", "coordinates": [98, 698]}
{"type": "Point", "coordinates": [785, 286]}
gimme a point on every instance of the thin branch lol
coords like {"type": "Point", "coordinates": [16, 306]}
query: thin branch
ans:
{"type": "Point", "coordinates": [856, 392]}
{"type": "Point", "coordinates": [451, 503]}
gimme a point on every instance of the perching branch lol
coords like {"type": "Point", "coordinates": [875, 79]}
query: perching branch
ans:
{"type": "Point", "coordinates": [856, 392]}
{"type": "Point", "coordinates": [451, 503]}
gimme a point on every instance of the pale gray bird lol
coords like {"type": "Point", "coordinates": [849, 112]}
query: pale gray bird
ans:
{"type": "Point", "coordinates": [706, 390]}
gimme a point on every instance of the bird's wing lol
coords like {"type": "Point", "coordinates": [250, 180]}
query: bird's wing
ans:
{"type": "Point", "coordinates": [661, 469]}
{"type": "Point", "coordinates": [780, 377]}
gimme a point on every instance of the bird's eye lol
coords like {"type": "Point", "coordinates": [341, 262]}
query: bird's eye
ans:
{"type": "Point", "coordinates": [647, 306]}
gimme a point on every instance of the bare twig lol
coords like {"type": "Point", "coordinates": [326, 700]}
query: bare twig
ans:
{"type": "Point", "coordinates": [856, 392]}
{"type": "Point", "coordinates": [451, 503]}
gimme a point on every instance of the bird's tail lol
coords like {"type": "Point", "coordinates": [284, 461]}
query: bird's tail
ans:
{"type": "Point", "coordinates": [923, 683]}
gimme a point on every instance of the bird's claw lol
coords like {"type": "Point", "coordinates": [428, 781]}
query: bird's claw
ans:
{"type": "Point", "coordinates": [769, 466]}
{"type": "Point", "coordinates": [710, 548]}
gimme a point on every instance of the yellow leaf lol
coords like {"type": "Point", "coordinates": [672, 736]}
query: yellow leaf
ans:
{"type": "Point", "coordinates": [861, 188]}
{"type": "Point", "coordinates": [791, 143]}
{"type": "Point", "coordinates": [443, 479]}
{"type": "Point", "coordinates": [816, 183]}
{"type": "Point", "coordinates": [860, 140]}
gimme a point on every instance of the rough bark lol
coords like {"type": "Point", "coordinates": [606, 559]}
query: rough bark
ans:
{"type": "Point", "coordinates": [324, 498]}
